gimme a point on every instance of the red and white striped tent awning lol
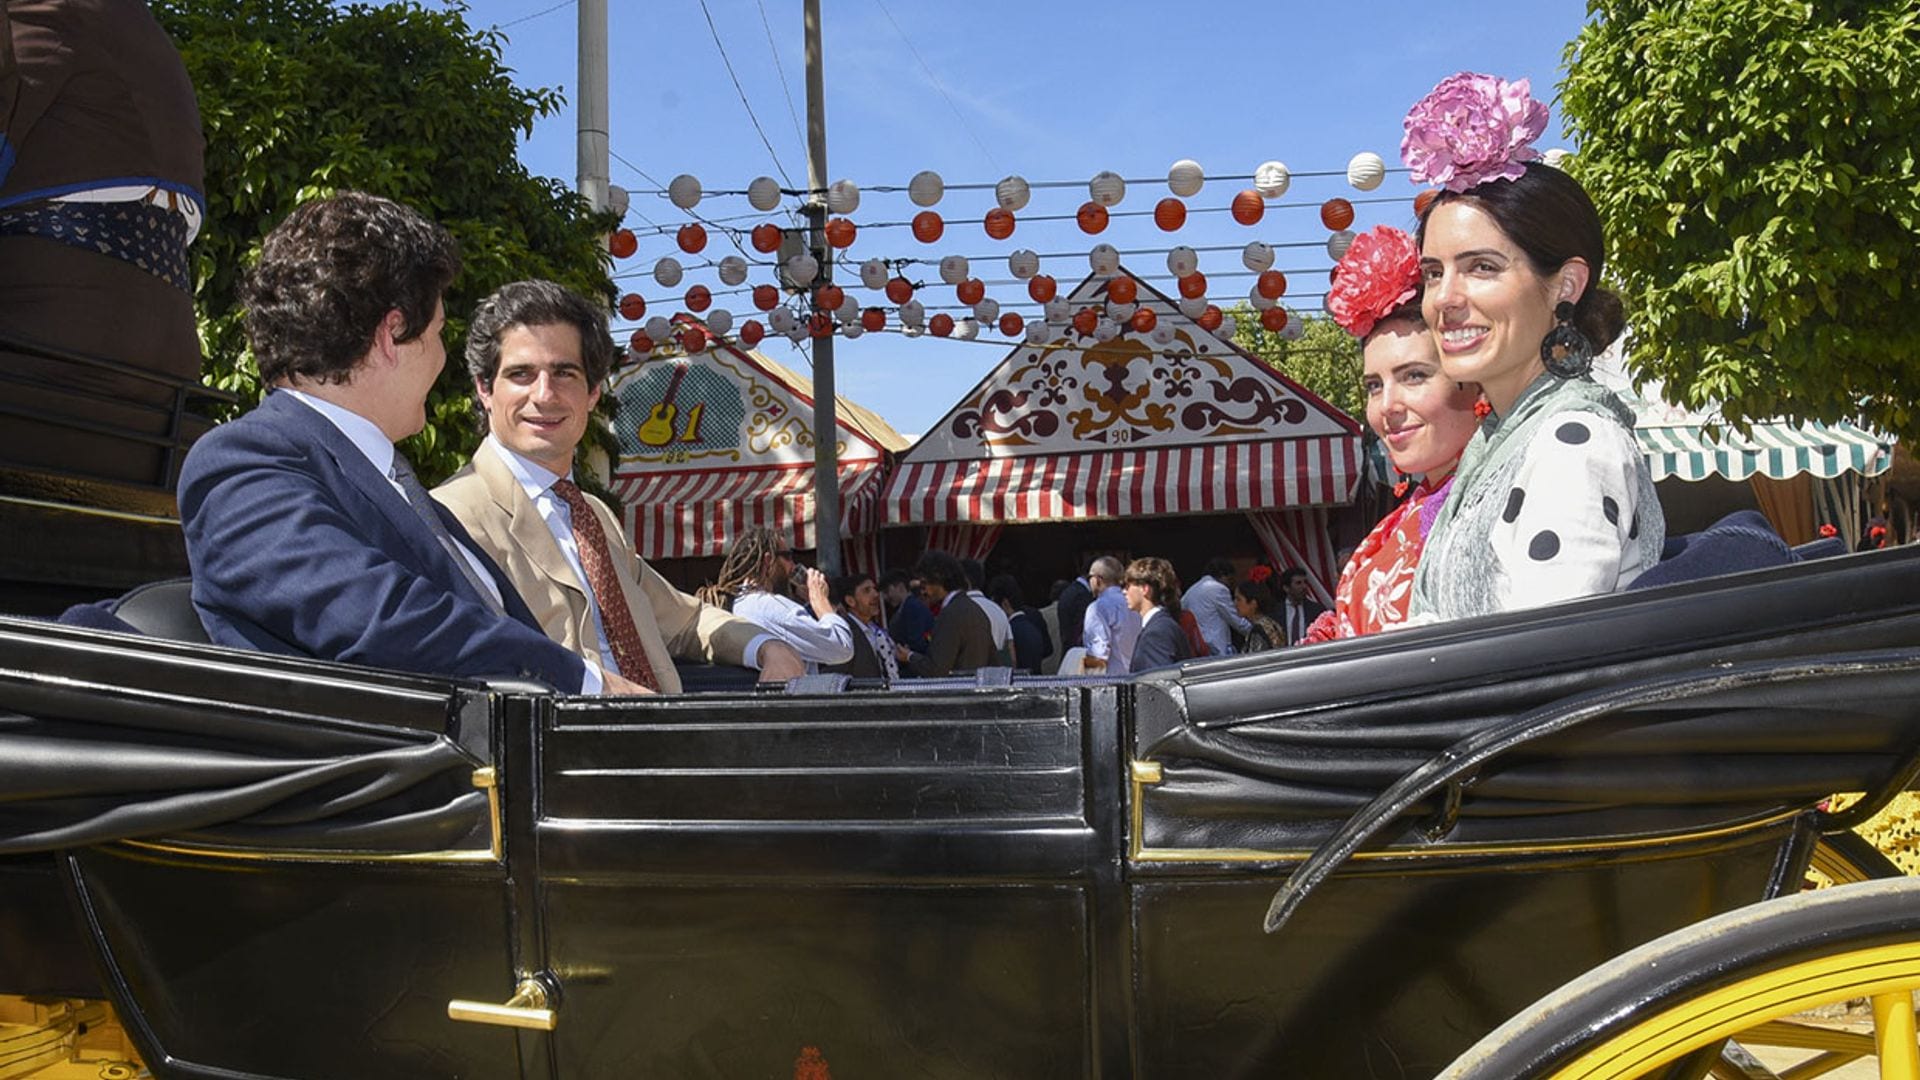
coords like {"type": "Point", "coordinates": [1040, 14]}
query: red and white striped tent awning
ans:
{"type": "Point", "coordinates": [721, 442]}
{"type": "Point", "coordinates": [1175, 421]}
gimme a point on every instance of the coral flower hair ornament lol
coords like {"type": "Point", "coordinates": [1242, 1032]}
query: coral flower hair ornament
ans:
{"type": "Point", "coordinates": [1472, 128]}
{"type": "Point", "coordinates": [1379, 272]}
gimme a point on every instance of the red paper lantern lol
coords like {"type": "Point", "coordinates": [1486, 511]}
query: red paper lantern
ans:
{"type": "Point", "coordinates": [751, 332]}
{"type": "Point", "coordinates": [1085, 320]}
{"type": "Point", "coordinates": [1274, 319]}
{"type": "Point", "coordinates": [819, 325]}
{"type": "Point", "coordinates": [693, 339]}
{"type": "Point", "coordinates": [640, 343]}
{"type": "Point", "coordinates": [971, 291]}
{"type": "Point", "coordinates": [1092, 218]}
{"type": "Point", "coordinates": [1194, 285]}
{"type": "Point", "coordinates": [829, 297]}
{"type": "Point", "coordinates": [632, 306]}
{"type": "Point", "coordinates": [691, 238]}
{"type": "Point", "coordinates": [1209, 319]}
{"type": "Point", "coordinates": [1042, 288]}
{"type": "Point", "coordinates": [1424, 202]}
{"type": "Point", "coordinates": [622, 243]}
{"type": "Point", "coordinates": [999, 223]}
{"type": "Point", "coordinates": [941, 324]}
{"type": "Point", "coordinates": [899, 290]}
{"type": "Point", "coordinates": [765, 297]}
{"type": "Point", "coordinates": [840, 232]}
{"type": "Point", "coordinates": [1011, 324]}
{"type": "Point", "coordinates": [927, 226]}
{"type": "Point", "coordinates": [699, 298]}
{"type": "Point", "coordinates": [874, 319]}
{"type": "Point", "coordinates": [1271, 284]}
{"type": "Point", "coordinates": [1169, 214]}
{"type": "Point", "coordinates": [1336, 214]}
{"type": "Point", "coordinates": [1144, 320]}
{"type": "Point", "coordinates": [1122, 290]}
{"type": "Point", "coordinates": [1249, 207]}
{"type": "Point", "coordinates": [766, 238]}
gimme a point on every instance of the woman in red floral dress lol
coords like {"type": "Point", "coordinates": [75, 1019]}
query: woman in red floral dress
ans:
{"type": "Point", "coordinates": [1424, 418]}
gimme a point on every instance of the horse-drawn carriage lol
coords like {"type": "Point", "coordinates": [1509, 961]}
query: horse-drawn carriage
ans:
{"type": "Point", "coordinates": [281, 868]}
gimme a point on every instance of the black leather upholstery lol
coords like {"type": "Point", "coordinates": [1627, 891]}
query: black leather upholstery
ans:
{"type": "Point", "coordinates": [162, 609]}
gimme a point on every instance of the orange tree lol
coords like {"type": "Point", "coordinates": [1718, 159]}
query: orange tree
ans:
{"type": "Point", "coordinates": [300, 98]}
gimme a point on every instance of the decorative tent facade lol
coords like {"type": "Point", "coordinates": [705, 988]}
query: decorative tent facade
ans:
{"type": "Point", "coordinates": [722, 441]}
{"type": "Point", "coordinates": [1172, 421]}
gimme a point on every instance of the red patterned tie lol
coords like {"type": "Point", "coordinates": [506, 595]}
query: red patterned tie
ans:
{"type": "Point", "coordinates": [623, 637]}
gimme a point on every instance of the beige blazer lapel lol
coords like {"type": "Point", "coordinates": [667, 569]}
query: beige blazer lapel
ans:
{"type": "Point", "coordinates": [534, 561]}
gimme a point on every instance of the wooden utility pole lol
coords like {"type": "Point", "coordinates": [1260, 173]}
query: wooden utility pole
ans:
{"type": "Point", "coordinates": [590, 160]}
{"type": "Point", "coordinates": [826, 428]}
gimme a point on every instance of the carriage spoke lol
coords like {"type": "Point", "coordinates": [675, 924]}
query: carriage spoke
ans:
{"type": "Point", "coordinates": [1893, 1032]}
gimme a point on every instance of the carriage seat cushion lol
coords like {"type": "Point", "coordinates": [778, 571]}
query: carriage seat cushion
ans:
{"type": "Point", "coordinates": [1742, 540]}
{"type": "Point", "coordinates": [161, 609]}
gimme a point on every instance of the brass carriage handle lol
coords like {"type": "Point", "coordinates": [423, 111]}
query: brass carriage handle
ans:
{"type": "Point", "coordinates": [527, 1008]}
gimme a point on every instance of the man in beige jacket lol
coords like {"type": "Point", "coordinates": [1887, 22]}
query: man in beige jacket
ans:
{"type": "Point", "coordinates": [538, 355]}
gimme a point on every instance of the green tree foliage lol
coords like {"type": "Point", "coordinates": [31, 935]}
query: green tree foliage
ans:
{"type": "Point", "coordinates": [300, 98]}
{"type": "Point", "coordinates": [1753, 163]}
{"type": "Point", "coordinates": [1326, 359]}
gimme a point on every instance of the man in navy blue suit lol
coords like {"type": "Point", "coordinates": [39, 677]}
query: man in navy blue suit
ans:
{"type": "Point", "coordinates": [307, 531]}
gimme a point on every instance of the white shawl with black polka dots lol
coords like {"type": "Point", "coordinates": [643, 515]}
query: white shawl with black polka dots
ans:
{"type": "Point", "coordinates": [1553, 502]}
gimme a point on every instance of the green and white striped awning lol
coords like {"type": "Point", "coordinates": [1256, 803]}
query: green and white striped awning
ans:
{"type": "Point", "coordinates": [1780, 451]}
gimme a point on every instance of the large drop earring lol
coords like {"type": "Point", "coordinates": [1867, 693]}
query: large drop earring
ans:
{"type": "Point", "coordinates": [1565, 350]}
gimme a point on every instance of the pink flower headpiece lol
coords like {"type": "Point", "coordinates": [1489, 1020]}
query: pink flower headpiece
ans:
{"type": "Point", "coordinates": [1379, 272]}
{"type": "Point", "coordinates": [1472, 128]}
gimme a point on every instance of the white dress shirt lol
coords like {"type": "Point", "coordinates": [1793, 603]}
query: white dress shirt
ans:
{"type": "Point", "coordinates": [1002, 629]}
{"type": "Point", "coordinates": [1212, 605]}
{"type": "Point", "coordinates": [1111, 630]}
{"type": "Point", "coordinates": [818, 641]}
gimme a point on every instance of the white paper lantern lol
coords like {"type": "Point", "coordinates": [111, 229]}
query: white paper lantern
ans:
{"type": "Point", "coordinates": [1106, 330]}
{"type": "Point", "coordinates": [1106, 188]}
{"type": "Point", "coordinates": [1104, 258]}
{"type": "Point", "coordinates": [852, 330]}
{"type": "Point", "coordinates": [667, 271]}
{"type": "Point", "coordinates": [847, 313]}
{"type": "Point", "coordinates": [684, 191]}
{"type": "Point", "coordinates": [659, 329]}
{"type": "Point", "coordinates": [1182, 260]}
{"type": "Point", "coordinates": [1012, 194]}
{"type": "Point", "coordinates": [1057, 311]}
{"type": "Point", "coordinates": [1162, 334]}
{"type": "Point", "coordinates": [953, 269]}
{"type": "Point", "coordinates": [802, 269]}
{"type": "Point", "coordinates": [1272, 179]}
{"type": "Point", "coordinates": [781, 319]}
{"type": "Point", "coordinates": [1338, 243]}
{"type": "Point", "coordinates": [1193, 306]}
{"type": "Point", "coordinates": [913, 313]}
{"type": "Point", "coordinates": [1556, 157]}
{"type": "Point", "coordinates": [1366, 170]}
{"type": "Point", "coordinates": [1023, 263]}
{"type": "Point", "coordinates": [733, 270]}
{"type": "Point", "coordinates": [1228, 324]}
{"type": "Point", "coordinates": [1120, 313]}
{"type": "Point", "coordinates": [1039, 333]}
{"type": "Point", "coordinates": [764, 193]}
{"type": "Point", "coordinates": [1260, 303]}
{"type": "Point", "coordinates": [966, 329]}
{"type": "Point", "coordinates": [1186, 178]}
{"type": "Point", "coordinates": [1257, 256]}
{"type": "Point", "coordinates": [719, 320]}
{"type": "Point", "coordinates": [618, 200]}
{"type": "Point", "coordinates": [1295, 328]}
{"type": "Point", "coordinates": [926, 188]}
{"type": "Point", "coordinates": [911, 331]}
{"type": "Point", "coordinates": [843, 197]}
{"type": "Point", "coordinates": [987, 310]}
{"type": "Point", "coordinates": [796, 334]}
{"type": "Point", "coordinates": [873, 274]}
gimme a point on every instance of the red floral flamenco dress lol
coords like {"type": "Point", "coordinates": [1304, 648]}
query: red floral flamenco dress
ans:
{"type": "Point", "coordinates": [1377, 584]}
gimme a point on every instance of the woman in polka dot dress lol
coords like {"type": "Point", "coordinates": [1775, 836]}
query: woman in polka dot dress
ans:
{"type": "Point", "coordinates": [1552, 499]}
{"type": "Point", "coordinates": [1424, 418]}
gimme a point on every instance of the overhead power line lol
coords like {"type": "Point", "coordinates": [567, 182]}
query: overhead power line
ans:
{"type": "Point", "coordinates": [743, 94]}
{"type": "Point", "coordinates": [931, 77]}
{"type": "Point", "coordinates": [780, 69]}
{"type": "Point", "coordinates": [535, 15]}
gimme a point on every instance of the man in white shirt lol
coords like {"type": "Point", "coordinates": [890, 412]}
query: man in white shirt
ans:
{"type": "Point", "coordinates": [1211, 601]}
{"type": "Point", "coordinates": [757, 574]}
{"type": "Point", "coordinates": [538, 355]}
{"type": "Point", "coordinates": [1110, 628]}
{"type": "Point", "coordinates": [997, 620]}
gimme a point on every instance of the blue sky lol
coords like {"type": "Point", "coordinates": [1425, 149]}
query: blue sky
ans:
{"type": "Point", "coordinates": [1049, 91]}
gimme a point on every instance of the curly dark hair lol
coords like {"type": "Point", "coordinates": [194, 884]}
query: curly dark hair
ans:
{"type": "Point", "coordinates": [537, 303]}
{"type": "Point", "coordinates": [1549, 217]}
{"type": "Point", "coordinates": [329, 274]}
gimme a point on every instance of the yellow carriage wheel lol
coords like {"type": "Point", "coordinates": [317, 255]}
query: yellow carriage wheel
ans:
{"type": "Point", "coordinates": [1736, 976]}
